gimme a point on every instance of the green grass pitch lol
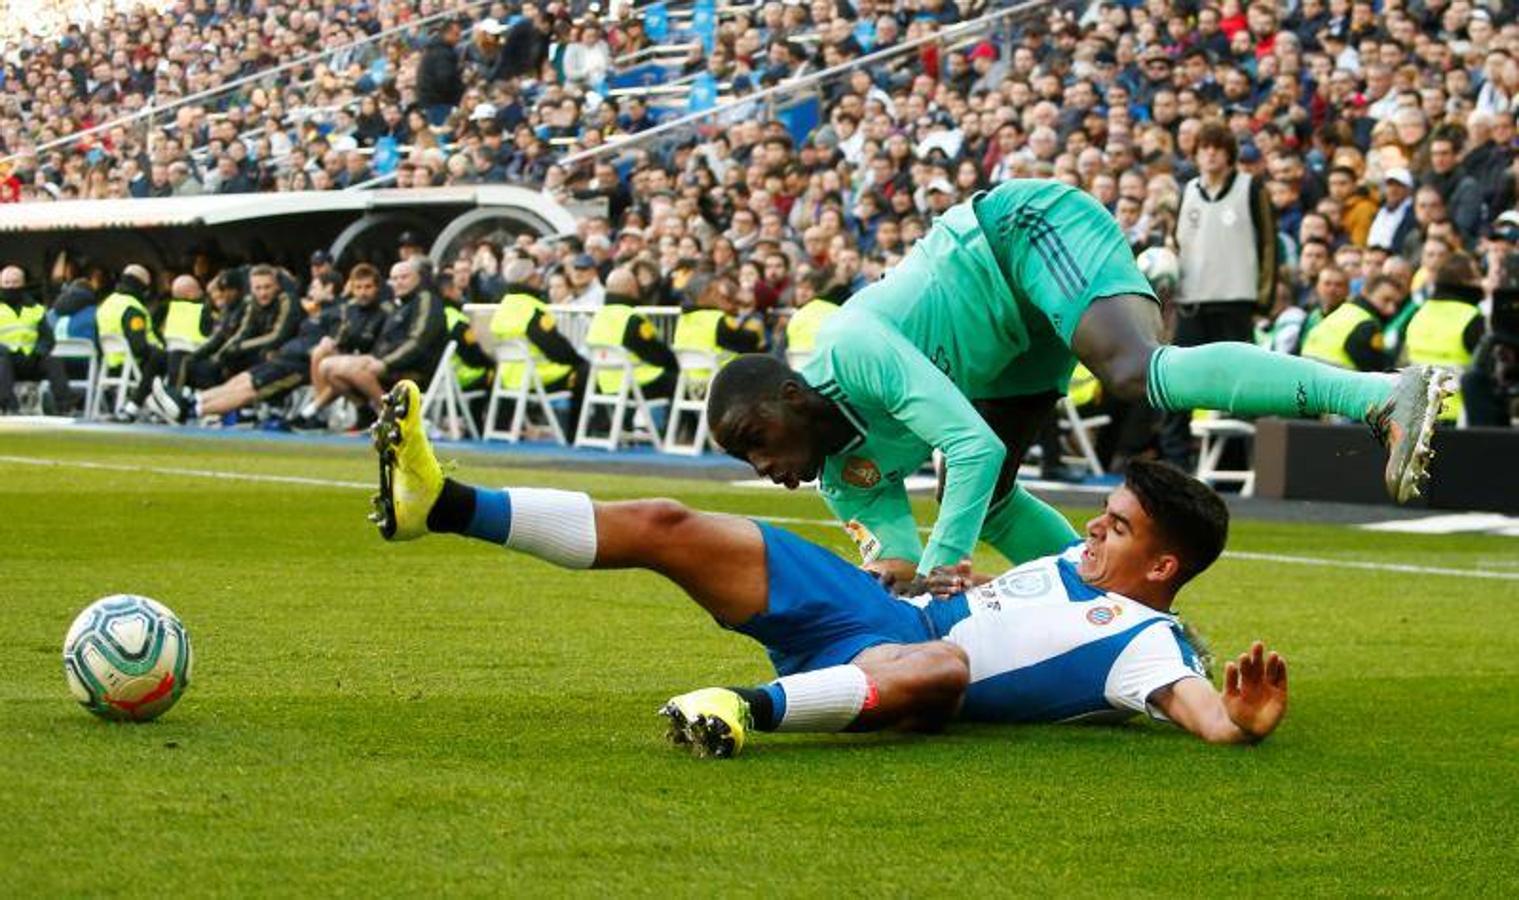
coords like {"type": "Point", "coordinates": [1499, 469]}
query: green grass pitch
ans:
{"type": "Point", "coordinates": [448, 717]}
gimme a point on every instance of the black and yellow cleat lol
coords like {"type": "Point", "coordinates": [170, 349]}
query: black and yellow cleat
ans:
{"type": "Point", "coordinates": [709, 722]}
{"type": "Point", "coordinates": [1406, 424]}
{"type": "Point", "coordinates": [410, 477]}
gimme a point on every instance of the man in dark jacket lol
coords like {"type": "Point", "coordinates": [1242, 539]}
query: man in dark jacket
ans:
{"type": "Point", "coordinates": [439, 82]}
{"type": "Point", "coordinates": [1462, 194]}
{"type": "Point", "coordinates": [526, 45]}
{"type": "Point", "coordinates": [268, 319]}
{"type": "Point", "coordinates": [408, 344]}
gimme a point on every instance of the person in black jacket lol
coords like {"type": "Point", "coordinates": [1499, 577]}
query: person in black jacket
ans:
{"type": "Point", "coordinates": [408, 345]}
{"type": "Point", "coordinates": [363, 314]}
{"type": "Point", "coordinates": [285, 368]}
{"type": "Point", "coordinates": [439, 81]}
{"type": "Point", "coordinates": [270, 317]}
{"type": "Point", "coordinates": [526, 45]}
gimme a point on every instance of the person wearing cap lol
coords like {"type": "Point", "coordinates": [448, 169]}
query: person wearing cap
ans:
{"type": "Point", "coordinates": [1447, 328]}
{"type": "Point", "coordinates": [990, 70]}
{"type": "Point", "coordinates": [586, 281]}
{"type": "Point", "coordinates": [1158, 68]}
{"type": "Point", "coordinates": [410, 245]}
{"type": "Point", "coordinates": [484, 53]}
{"type": "Point", "coordinates": [439, 84]}
{"type": "Point", "coordinates": [1226, 244]}
{"type": "Point", "coordinates": [1395, 218]}
{"type": "Point", "coordinates": [321, 264]}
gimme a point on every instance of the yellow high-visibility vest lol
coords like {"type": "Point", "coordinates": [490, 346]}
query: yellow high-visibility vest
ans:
{"type": "Point", "coordinates": [467, 374]}
{"type": "Point", "coordinates": [18, 330]}
{"type": "Point", "coordinates": [1435, 337]}
{"type": "Point", "coordinates": [608, 327]}
{"type": "Point", "coordinates": [509, 323]}
{"type": "Point", "coordinates": [108, 316]}
{"type": "Point", "coordinates": [183, 322]}
{"type": "Point", "coordinates": [1327, 340]}
{"type": "Point", "coordinates": [802, 330]}
{"type": "Point", "coordinates": [697, 330]}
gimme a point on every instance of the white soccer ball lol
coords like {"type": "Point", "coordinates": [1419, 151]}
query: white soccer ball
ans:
{"type": "Point", "coordinates": [127, 658]}
{"type": "Point", "coordinates": [1161, 267]}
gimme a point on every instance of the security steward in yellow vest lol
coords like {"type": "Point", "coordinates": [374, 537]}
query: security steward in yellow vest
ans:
{"type": "Point", "coordinates": [1350, 336]}
{"type": "Point", "coordinates": [124, 313]}
{"type": "Point", "coordinates": [1446, 330]}
{"type": "Point", "coordinates": [718, 325]}
{"type": "Point", "coordinates": [268, 318]}
{"type": "Point", "coordinates": [471, 364]}
{"type": "Point", "coordinates": [617, 323]}
{"type": "Point", "coordinates": [523, 314]}
{"type": "Point", "coordinates": [188, 323]}
{"type": "Point", "coordinates": [802, 330]}
{"type": "Point", "coordinates": [25, 341]}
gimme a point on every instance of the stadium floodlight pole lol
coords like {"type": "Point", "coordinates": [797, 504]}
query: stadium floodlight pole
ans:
{"type": "Point", "coordinates": [769, 94]}
{"type": "Point", "coordinates": [148, 111]}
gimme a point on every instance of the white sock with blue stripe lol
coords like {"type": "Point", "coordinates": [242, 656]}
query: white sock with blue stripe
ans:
{"type": "Point", "coordinates": [557, 526]}
{"type": "Point", "coordinates": [823, 700]}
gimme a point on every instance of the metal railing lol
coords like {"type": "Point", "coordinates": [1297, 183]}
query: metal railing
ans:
{"type": "Point", "coordinates": [781, 91]}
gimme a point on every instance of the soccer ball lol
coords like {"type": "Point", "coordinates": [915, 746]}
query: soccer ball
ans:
{"type": "Point", "coordinates": [127, 658]}
{"type": "Point", "coordinates": [1161, 267]}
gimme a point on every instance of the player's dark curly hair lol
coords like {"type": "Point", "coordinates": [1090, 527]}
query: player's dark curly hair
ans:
{"type": "Point", "coordinates": [748, 380]}
{"type": "Point", "coordinates": [1191, 518]}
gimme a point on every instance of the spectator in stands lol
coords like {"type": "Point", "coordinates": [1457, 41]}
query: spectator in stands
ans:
{"type": "Point", "coordinates": [585, 282]}
{"type": "Point", "coordinates": [408, 346]}
{"type": "Point", "coordinates": [26, 340]}
{"type": "Point", "coordinates": [1395, 218]}
{"type": "Point", "coordinates": [1461, 193]}
{"type": "Point", "coordinates": [440, 85]}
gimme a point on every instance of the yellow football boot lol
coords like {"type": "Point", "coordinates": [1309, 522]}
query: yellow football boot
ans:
{"type": "Point", "coordinates": [410, 477]}
{"type": "Point", "coordinates": [711, 722]}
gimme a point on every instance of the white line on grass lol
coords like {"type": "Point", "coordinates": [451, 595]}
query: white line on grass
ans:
{"type": "Point", "coordinates": [779, 520]}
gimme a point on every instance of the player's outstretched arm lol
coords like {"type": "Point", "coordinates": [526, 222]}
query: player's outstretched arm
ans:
{"type": "Point", "coordinates": [1252, 704]}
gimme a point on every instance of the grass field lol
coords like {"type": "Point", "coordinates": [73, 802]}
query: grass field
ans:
{"type": "Point", "coordinates": [445, 717]}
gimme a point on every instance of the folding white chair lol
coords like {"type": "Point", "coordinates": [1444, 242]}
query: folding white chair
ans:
{"type": "Point", "coordinates": [1215, 432]}
{"type": "Point", "coordinates": [529, 390]}
{"type": "Point", "coordinates": [1081, 430]}
{"type": "Point", "coordinates": [696, 370]}
{"type": "Point", "coordinates": [126, 377]}
{"type": "Point", "coordinates": [446, 402]}
{"type": "Point", "coordinates": [615, 358]}
{"type": "Point", "coordinates": [77, 348]}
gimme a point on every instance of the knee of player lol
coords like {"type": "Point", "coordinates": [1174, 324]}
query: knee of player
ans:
{"type": "Point", "coordinates": [943, 670]}
{"type": "Point", "coordinates": [1126, 376]}
{"type": "Point", "coordinates": [664, 514]}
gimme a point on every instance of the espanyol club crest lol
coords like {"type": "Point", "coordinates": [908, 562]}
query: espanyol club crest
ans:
{"type": "Point", "coordinates": [1102, 615]}
{"type": "Point", "coordinates": [1029, 584]}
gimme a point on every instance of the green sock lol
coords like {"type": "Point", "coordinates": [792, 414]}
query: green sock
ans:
{"type": "Point", "coordinates": [1245, 380]}
{"type": "Point", "coordinates": [1023, 527]}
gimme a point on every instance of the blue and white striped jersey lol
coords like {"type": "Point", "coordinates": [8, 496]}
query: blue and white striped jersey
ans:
{"type": "Point", "coordinates": [1046, 647]}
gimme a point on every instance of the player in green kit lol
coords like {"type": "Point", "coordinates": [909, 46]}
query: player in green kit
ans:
{"type": "Point", "coordinates": [967, 344]}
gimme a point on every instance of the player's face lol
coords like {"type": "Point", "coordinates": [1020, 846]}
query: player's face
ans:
{"type": "Point", "coordinates": [1121, 554]}
{"type": "Point", "coordinates": [774, 440]}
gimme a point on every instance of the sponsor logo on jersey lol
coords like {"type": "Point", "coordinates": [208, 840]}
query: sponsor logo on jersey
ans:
{"type": "Point", "coordinates": [866, 541]}
{"type": "Point", "coordinates": [861, 472]}
{"type": "Point", "coordinates": [1102, 615]}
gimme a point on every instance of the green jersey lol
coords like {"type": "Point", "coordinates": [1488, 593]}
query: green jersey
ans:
{"type": "Point", "coordinates": [983, 307]}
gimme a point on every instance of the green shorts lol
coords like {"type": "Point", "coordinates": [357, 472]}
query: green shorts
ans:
{"type": "Point", "coordinates": [1059, 249]}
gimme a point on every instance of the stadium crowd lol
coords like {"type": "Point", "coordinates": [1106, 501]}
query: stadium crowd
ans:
{"type": "Point", "coordinates": [1378, 139]}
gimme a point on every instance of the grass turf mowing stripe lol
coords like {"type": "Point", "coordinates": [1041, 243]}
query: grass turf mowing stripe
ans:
{"type": "Point", "coordinates": [1288, 559]}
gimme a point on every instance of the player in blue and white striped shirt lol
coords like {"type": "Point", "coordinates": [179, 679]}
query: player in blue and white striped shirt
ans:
{"type": "Point", "coordinates": [1085, 632]}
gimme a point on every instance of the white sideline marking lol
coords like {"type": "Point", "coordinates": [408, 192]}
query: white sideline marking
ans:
{"type": "Point", "coordinates": [779, 520]}
{"type": "Point", "coordinates": [1452, 523]}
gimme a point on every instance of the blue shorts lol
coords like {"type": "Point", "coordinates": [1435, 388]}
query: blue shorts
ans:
{"type": "Point", "coordinates": [823, 611]}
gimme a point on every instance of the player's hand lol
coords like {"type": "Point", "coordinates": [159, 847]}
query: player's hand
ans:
{"type": "Point", "coordinates": [946, 581]}
{"type": "Point", "coordinates": [1255, 691]}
